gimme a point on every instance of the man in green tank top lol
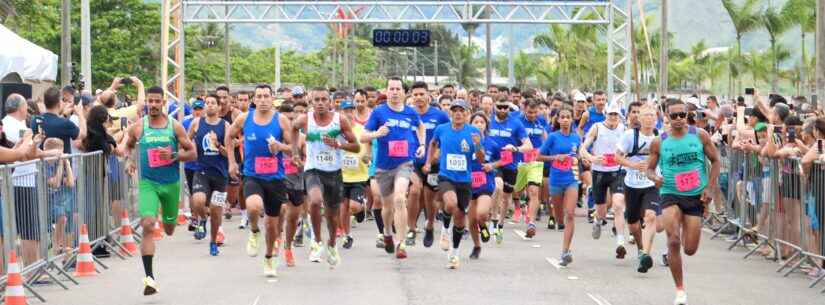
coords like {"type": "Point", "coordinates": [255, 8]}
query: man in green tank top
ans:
{"type": "Point", "coordinates": [680, 154]}
{"type": "Point", "coordinates": [163, 144]}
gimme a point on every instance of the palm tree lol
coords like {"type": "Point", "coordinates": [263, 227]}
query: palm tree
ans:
{"type": "Point", "coordinates": [745, 20]}
{"type": "Point", "coordinates": [776, 24]}
{"type": "Point", "coordinates": [556, 39]}
{"type": "Point", "coordinates": [803, 14]}
{"type": "Point", "coordinates": [465, 71]}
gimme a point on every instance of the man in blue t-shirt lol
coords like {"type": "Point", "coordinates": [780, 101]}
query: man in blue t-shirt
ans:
{"type": "Point", "coordinates": [397, 127]}
{"type": "Point", "coordinates": [456, 143]}
{"type": "Point", "coordinates": [510, 135]}
{"type": "Point", "coordinates": [423, 185]}
{"type": "Point", "coordinates": [53, 125]}
{"type": "Point", "coordinates": [530, 173]}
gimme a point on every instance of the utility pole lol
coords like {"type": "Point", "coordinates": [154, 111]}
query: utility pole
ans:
{"type": "Point", "coordinates": [277, 65]}
{"type": "Point", "coordinates": [66, 43]}
{"type": "Point", "coordinates": [435, 64]}
{"type": "Point", "coordinates": [489, 55]}
{"type": "Point", "coordinates": [511, 74]}
{"type": "Point", "coordinates": [227, 73]}
{"type": "Point", "coordinates": [820, 49]}
{"type": "Point", "coordinates": [663, 52]}
{"type": "Point", "coordinates": [85, 45]}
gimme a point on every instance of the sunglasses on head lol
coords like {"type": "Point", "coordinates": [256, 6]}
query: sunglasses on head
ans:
{"type": "Point", "coordinates": [678, 115]}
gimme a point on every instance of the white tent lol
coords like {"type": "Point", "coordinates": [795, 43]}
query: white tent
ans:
{"type": "Point", "coordinates": [29, 60]}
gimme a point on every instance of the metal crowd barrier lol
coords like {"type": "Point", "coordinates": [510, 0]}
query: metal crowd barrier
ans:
{"type": "Point", "coordinates": [43, 204]}
{"type": "Point", "coordinates": [773, 206]}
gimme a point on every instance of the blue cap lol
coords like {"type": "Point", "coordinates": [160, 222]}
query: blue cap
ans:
{"type": "Point", "coordinates": [347, 105]}
{"type": "Point", "coordinates": [197, 104]}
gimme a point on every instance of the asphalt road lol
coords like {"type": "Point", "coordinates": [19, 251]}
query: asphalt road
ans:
{"type": "Point", "coordinates": [516, 272]}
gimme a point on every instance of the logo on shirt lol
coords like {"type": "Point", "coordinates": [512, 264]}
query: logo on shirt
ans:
{"type": "Point", "coordinates": [209, 148]}
{"type": "Point", "coordinates": [464, 146]}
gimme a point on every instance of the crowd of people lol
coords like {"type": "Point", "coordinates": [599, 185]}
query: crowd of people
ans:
{"type": "Point", "coordinates": [471, 161]}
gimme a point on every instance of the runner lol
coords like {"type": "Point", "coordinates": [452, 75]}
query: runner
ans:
{"type": "Point", "coordinates": [163, 143]}
{"type": "Point", "coordinates": [209, 186]}
{"type": "Point", "coordinates": [607, 174]}
{"type": "Point", "coordinates": [456, 143]}
{"type": "Point", "coordinates": [483, 183]}
{"type": "Point", "coordinates": [681, 154]}
{"type": "Point", "coordinates": [189, 170]}
{"type": "Point", "coordinates": [641, 194]}
{"type": "Point", "coordinates": [355, 174]}
{"type": "Point", "coordinates": [395, 125]}
{"type": "Point", "coordinates": [265, 139]}
{"type": "Point", "coordinates": [423, 187]}
{"type": "Point", "coordinates": [325, 131]}
{"type": "Point", "coordinates": [508, 132]}
{"type": "Point", "coordinates": [530, 171]}
{"type": "Point", "coordinates": [560, 149]}
{"type": "Point", "coordinates": [294, 172]}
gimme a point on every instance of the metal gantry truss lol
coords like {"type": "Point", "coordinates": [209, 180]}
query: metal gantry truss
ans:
{"type": "Point", "coordinates": [609, 13]}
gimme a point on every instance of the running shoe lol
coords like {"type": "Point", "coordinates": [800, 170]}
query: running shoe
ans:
{"type": "Point", "coordinates": [453, 262]}
{"type": "Point", "coordinates": [193, 223]}
{"type": "Point", "coordinates": [200, 232]}
{"type": "Point", "coordinates": [560, 227]}
{"type": "Point", "coordinates": [244, 222]}
{"type": "Point", "coordinates": [299, 240]}
{"type": "Point", "coordinates": [315, 253]}
{"type": "Point", "coordinates": [220, 237]}
{"type": "Point", "coordinates": [610, 215]}
{"type": "Point", "coordinates": [379, 241]}
{"type": "Point", "coordinates": [664, 260]}
{"type": "Point", "coordinates": [517, 214]}
{"type": "Point", "coordinates": [499, 235]}
{"type": "Point", "coordinates": [347, 242]}
{"type": "Point", "coordinates": [149, 286]}
{"type": "Point", "coordinates": [253, 243]}
{"type": "Point", "coordinates": [485, 234]}
{"type": "Point", "coordinates": [227, 215]}
{"type": "Point", "coordinates": [269, 267]}
{"type": "Point", "coordinates": [276, 248]}
{"type": "Point", "coordinates": [213, 249]}
{"type": "Point", "coordinates": [681, 298]}
{"type": "Point", "coordinates": [444, 243]}
{"type": "Point", "coordinates": [551, 223]}
{"type": "Point", "coordinates": [289, 257]}
{"type": "Point", "coordinates": [566, 258]}
{"type": "Point", "coordinates": [333, 258]}
{"type": "Point", "coordinates": [631, 240]}
{"type": "Point", "coordinates": [645, 263]}
{"type": "Point", "coordinates": [531, 231]}
{"type": "Point", "coordinates": [476, 253]}
{"type": "Point", "coordinates": [429, 237]}
{"type": "Point", "coordinates": [597, 229]}
{"type": "Point", "coordinates": [620, 252]}
{"type": "Point", "coordinates": [389, 244]}
{"type": "Point", "coordinates": [410, 241]}
{"type": "Point", "coordinates": [401, 252]}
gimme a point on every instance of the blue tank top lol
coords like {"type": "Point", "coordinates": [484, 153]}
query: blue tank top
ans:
{"type": "Point", "coordinates": [594, 118]}
{"type": "Point", "coordinates": [210, 160]}
{"type": "Point", "coordinates": [258, 161]}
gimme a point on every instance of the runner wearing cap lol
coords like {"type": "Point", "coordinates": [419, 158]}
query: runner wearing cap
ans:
{"type": "Point", "coordinates": [681, 154]}
{"type": "Point", "coordinates": [607, 173]}
{"type": "Point", "coordinates": [456, 143]}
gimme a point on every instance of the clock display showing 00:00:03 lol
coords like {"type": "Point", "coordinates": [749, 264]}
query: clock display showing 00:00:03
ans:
{"type": "Point", "coordinates": [406, 38]}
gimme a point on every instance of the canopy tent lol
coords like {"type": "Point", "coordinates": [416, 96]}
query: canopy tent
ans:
{"type": "Point", "coordinates": [29, 60]}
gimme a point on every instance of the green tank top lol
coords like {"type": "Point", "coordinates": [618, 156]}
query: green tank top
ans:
{"type": "Point", "coordinates": [682, 161]}
{"type": "Point", "coordinates": [153, 140]}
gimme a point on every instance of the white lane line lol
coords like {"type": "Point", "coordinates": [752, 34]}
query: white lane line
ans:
{"type": "Point", "coordinates": [553, 262]}
{"type": "Point", "coordinates": [520, 234]}
{"type": "Point", "coordinates": [256, 300]}
{"type": "Point", "coordinates": [598, 299]}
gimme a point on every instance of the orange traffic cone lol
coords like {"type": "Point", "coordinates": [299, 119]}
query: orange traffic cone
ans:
{"type": "Point", "coordinates": [15, 295]}
{"type": "Point", "coordinates": [85, 264]}
{"type": "Point", "coordinates": [158, 235]}
{"type": "Point", "coordinates": [126, 237]}
{"type": "Point", "coordinates": [181, 217]}
{"type": "Point", "coordinates": [219, 238]}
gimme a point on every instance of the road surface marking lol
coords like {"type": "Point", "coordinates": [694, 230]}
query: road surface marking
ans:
{"type": "Point", "coordinates": [598, 299]}
{"type": "Point", "coordinates": [520, 234]}
{"type": "Point", "coordinates": [553, 262]}
{"type": "Point", "coordinates": [537, 246]}
{"type": "Point", "coordinates": [256, 300]}
{"type": "Point", "coordinates": [573, 277]}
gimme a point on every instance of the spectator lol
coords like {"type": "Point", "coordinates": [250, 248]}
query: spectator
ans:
{"type": "Point", "coordinates": [17, 114]}
{"type": "Point", "coordinates": [56, 126]}
{"type": "Point", "coordinates": [131, 113]}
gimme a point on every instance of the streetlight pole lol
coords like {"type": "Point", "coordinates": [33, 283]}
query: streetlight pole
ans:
{"type": "Point", "coordinates": [66, 43]}
{"type": "Point", "coordinates": [85, 44]}
{"type": "Point", "coordinates": [663, 52]}
{"type": "Point", "coordinates": [820, 49]}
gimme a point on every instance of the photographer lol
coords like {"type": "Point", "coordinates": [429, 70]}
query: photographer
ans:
{"type": "Point", "coordinates": [131, 113]}
{"type": "Point", "coordinates": [55, 125]}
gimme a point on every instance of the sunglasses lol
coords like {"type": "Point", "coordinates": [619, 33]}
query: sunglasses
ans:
{"type": "Point", "coordinates": [678, 115]}
{"type": "Point", "coordinates": [613, 114]}
{"type": "Point", "coordinates": [503, 107]}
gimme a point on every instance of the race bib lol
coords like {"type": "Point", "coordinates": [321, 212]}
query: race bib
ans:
{"type": "Point", "coordinates": [266, 165]}
{"type": "Point", "coordinates": [325, 158]}
{"type": "Point", "coordinates": [479, 179]}
{"type": "Point", "coordinates": [350, 162]}
{"type": "Point", "coordinates": [155, 159]}
{"type": "Point", "coordinates": [289, 167]}
{"type": "Point", "coordinates": [506, 157]}
{"type": "Point", "coordinates": [610, 160]}
{"type": "Point", "coordinates": [432, 179]}
{"type": "Point", "coordinates": [639, 176]}
{"type": "Point", "coordinates": [563, 165]}
{"type": "Point", "coordinates": [456, 162]}
{"type": "Point", "coordinates": [399, 149]}
{"type": "Point", "coordinates": [218, 199]}
{"type": "Point", "coordinates": [531, 155]}
{"type": "Point", "coordinates": [687, 181]}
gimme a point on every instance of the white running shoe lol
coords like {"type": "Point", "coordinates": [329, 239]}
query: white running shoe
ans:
{"type": "Point", "coordinates": [452, 260]}
{"type": "Point", "coordinates": [270, 268]}
{"type": "Point", "coordinates": [149, 286]}
{"type": "Point", "coordinates": [253, 244]}
{"type": "Point", "coordinates": [681, 298]}
{"type": "Point", "coordinates": [315, 253]}
{"type": "Point", "coordinates": [333, 257]}
{"type": "Point", "coordinates": [445, 239]}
